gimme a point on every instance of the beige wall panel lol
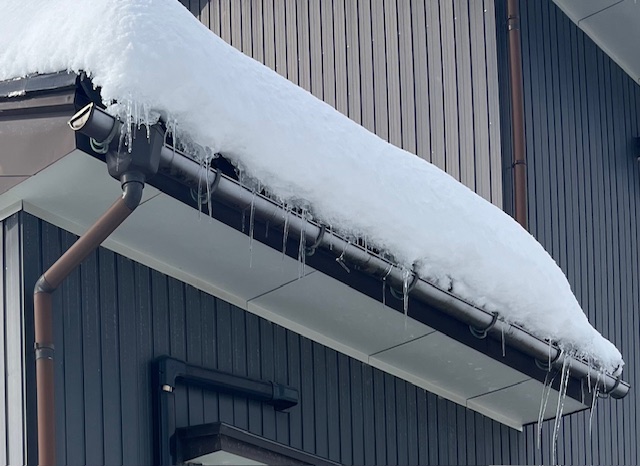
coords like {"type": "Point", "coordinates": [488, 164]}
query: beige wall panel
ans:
{"type": "Point", "coordinates": [421, 74]}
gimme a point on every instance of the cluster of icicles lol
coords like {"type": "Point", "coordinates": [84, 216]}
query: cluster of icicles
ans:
{"type": "Point", "coordinates": [142, 116]}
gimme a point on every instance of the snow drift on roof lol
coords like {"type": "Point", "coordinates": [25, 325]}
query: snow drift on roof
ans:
{"type": "Point", "coordinates": [154, 56]}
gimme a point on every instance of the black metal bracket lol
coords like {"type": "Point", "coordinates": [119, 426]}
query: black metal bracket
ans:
{"type": "Point", "coordinates": [168, 372]}
{"type": "Point", "coordinates": [481, 333]}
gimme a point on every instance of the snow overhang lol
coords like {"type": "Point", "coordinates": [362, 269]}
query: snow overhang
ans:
{"type": "Point", "coordinates": [432, 347]}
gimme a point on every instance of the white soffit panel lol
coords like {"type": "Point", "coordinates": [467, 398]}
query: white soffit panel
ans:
{"type": "Point", "coordinates": [577, 10]}
{"type": "Point", "coordinates": [450, 365]}
{"type": "Point", "coordinates": [613, 25]}
{"type": "Point", "coordinates": [341, 313]}
{"type": "Point", "coordinates": [520, 404]}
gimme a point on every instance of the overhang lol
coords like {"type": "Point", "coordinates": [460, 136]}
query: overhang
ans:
{"type": "Point", "coordinates": [613, 25]}
{"type": "Point", "coordinates": [320, 298]}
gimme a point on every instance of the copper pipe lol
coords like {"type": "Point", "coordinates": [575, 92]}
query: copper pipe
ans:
{"type": "Point", "coordinates": [517, 114]}
{"type": "Point", "coordinates": [43, 315]}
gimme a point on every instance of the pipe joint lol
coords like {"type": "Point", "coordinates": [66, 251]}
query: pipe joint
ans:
{"type": "Point", "coordinates": [132, 186]}
{"type": "Point", "coordinates": [43, 286]}
{"type": "Point", "coordinates": [44, 350]}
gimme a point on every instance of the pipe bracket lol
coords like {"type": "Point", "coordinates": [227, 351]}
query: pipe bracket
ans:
{"type": "Point", "coordinates": [44, 350]}
{"type": "Point", "coordinates": [605, 393]}
{"type": "Point", "coordinates": [400, 294]}
{"type": "Point", "coordinates": [311, 250]}
{"type": "Point", "coordinates": [546, 366]}
{"type": "Point", "coordinates": [482, 333]}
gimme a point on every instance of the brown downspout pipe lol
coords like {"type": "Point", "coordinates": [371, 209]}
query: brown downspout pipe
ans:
{"type": "Point", "coordinates": [517, 114]}
{"type": "Point", "coordinates": [132, 185]}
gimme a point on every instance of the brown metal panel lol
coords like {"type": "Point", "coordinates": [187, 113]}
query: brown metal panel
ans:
{"type": "Point", "coordinates": [436, 88]}
{"type": "Point", "coordinates": [380, 104]}
{"type": "Point", "coordinates": [465, 112]}
{"type": "Point", "coordinates": [315, 47]}
{"type": "Point", "coordinates": [8, 182]}
{"type": "Point", "coordinates": [214, 16]}
{"type": "Point", "coordinates": [225, 20]}
{"type": "Point", "coordinates": [245, 24]}
{"type": "Point", "coordinates": [304, 46]}
{"type": "Point", "coordinates": [353, 60]}
{"type": "Point", "coordinates": [290, 12]}
{"type": "Point", "coordinates": [450, 85]}
{"type": "Point", "coordinates": [205, 13]}
{"type": "Point", "coordinates": [269, 34]}
{"type": "Point", "coordinates": [421, 82]}
{"type": "Point", "coordinates": [495, 149]}
{"type": "Point", "coordinates": [407, 92]}
{"type": "Point", "coordinates": [46, 139]}
{"type": "Point", "coordinates": [340, 50]}
{"type": "Point", "coordinates": [236, 24]}
{"type": "Point", "coordinates": [257, 28]}
{"type": "Point", "coordinates": [393, 71]}
{"type": "Point", "coordinates": [328, 53]}
{"type": "Point", "coordinates": [480, 106]}
{"type": "Point", "coordinates": [280, 37]}
{"type": "Point", "coordinates": [366, 64]}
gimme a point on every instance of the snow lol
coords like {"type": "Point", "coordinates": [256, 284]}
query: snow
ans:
{"type": "Point", "coordinates": [155, 59]}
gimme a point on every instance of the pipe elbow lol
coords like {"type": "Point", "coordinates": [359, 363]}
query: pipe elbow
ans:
{"type": "Point", "coordinates": [132, 187]}
{"type": "Point", "coordinates": [43, 286]}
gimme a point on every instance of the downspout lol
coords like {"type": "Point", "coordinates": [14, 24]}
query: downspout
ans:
{"type": "Point", "coordinates": [517, 114]}
{"type": "Point", "coordinates": [132, 178]}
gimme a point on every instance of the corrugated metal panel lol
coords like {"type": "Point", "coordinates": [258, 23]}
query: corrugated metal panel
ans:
{"type": "Point", "coordinates": [584, 191]}
{"type": "Point", "coordinates": [421, 74]}
{"type": "Point", "coordinates": [13, 401]}
{"type": "Point", "coordinates": [114, 316]}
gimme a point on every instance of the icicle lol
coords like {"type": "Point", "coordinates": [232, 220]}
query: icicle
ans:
{"type": "Point", "coordinates": [596, 392]}
{"type": "Point", "coordinates": [405, 294]}
{"type": "Point", "coordinates": [207, 167]}
{"type": "Point", "coordinates": [589, 375]}
{"type": "Point", "coordinates": [302, 246]}
{"type": "Point", "coordinates": [251, 225]}
{"type": "Point", "coordinates": [384, 285]}
{"type": "Point", "coordinates": [546, 391]}
{"type": "Point", "coordinates": [504, 352]}
{"type": "Point", "coordinates": [244, 214]}
{"type": "Point", "coordinates": [562, 394]}
{"type": "Point", "coordinates": [285, 232]}
{"type": "Point", "coordinates": [266, 229]}
{"type": "Point", "coordinates": [330, 237]}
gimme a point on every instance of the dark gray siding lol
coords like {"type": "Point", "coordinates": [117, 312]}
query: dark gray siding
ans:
{"type": "Point", "coordinates": [114, 316]}
{"type": "Point", "coordinates": [581, 113]}
{"type": "Point", "coordinates": [421, 74]}
{"type": "Point", "coordinates": [13, 402]}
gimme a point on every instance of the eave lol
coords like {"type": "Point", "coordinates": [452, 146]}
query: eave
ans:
{"type": "Point", "coordinates": [346, 310]}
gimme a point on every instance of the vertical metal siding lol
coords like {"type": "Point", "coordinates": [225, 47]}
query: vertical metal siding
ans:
{"type": "Point", "coordinates": [421, 74]}
{"type": "Point", "coordinates": [581, 115]}
{"type": "Point", "coordinates": [115, 316]}
{"type": "Point", "coordinates": [13, 361]}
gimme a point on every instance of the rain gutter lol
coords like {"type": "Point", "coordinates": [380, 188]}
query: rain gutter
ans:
{"type": "Point", "coordinates": [220, 187]}
{"type": "Point", "coordinates": [190, 173]}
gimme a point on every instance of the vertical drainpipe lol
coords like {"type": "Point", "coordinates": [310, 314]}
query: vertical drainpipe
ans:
{"type": "Point", "coordinates": [43, 313]}
{"type": "Point", "coordinates": [517, 114]}
{"type": "Point", "coordinates": [133, 169]}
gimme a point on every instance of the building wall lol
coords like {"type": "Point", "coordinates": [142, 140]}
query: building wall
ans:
{"type": "Point", "coordinates": [113, 316]}
{"type": "Point", "coordinates": [581, 115]}
{"type": "Point", "coordinates": [421, 74]}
